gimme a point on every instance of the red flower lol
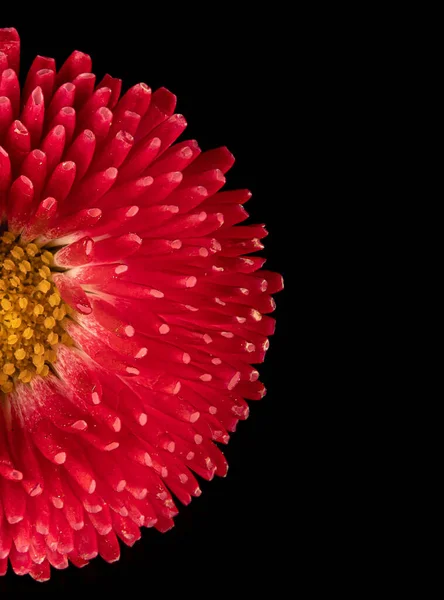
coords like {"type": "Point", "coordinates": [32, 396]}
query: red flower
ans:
{"type": "Point", "coordinates": [129, 315]}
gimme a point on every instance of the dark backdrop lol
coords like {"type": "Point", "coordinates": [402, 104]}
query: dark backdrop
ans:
{"type": "Point", "coordinates": [225, 74]}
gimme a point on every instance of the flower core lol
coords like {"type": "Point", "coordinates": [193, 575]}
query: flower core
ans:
{"type": "Point", "coordinates": [31, 312]}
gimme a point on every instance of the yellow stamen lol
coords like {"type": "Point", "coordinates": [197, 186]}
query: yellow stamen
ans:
{"type": "Point", "coordinates": [49, 322]}
{"type": "Point", "coordinates": [32, 313]}
{"type": "Point", "coordinates": [44, 286]}
{"type": "Point", "coordinates": [28, 333]}
{"type": "Point", "coordinates": [18, 252]}
{"type": "Point", "coordinates": [6, 305]}
{"type": "Point", "coordinates": [8, 369]}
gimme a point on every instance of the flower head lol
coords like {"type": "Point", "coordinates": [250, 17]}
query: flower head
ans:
{"type": "Point", "coordinates": [131, 312]}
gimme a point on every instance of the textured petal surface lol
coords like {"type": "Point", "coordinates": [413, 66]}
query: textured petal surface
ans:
{"type": "Point", "coordinates": [150, 364]}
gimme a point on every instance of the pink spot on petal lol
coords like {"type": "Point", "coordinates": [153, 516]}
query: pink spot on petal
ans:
{"type": "Point", "coordinates": [112, 446]}
{"type": "Point", "coordinates": [194, 417]}
{"type": "Point", "coordinates": [132, 370]}
{"type": "Point", "coordinates": [60, 458]}
{"type": "Point", "coordinates": [254, 376]}
{"type": "Point", "coordinates": [133, 236]}
{"type": "Point", "coordinates": [121, 269]}
{"type": "Point", "coordinates": [14, 520]}
{"type": "Point", "coordinates": [48, 203]}
{"type": "Point", "coordinates": [129, 331]}
{"type": "Point", "coordinates": [86, 310]}
{"type": "Point", "coordinates": [111, 173]}
{"type": "Point", "coordinates": [132, 212]}
{"type": "Point", "coordinates": [37, 490]}
{"type": "Point", "coordinates": [234, 380]}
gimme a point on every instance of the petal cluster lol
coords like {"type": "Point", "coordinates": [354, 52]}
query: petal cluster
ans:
{"type": "Point", "coordinates": [166, 312]}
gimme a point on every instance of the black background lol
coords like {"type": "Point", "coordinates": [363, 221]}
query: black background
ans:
{"type": "Point", "coordinates": [225, 73]}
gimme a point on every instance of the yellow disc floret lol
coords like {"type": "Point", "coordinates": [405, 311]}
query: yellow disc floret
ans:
{"type": "Point", "coordinates": [31, 312]}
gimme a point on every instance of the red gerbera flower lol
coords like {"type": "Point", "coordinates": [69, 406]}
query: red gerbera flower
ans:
{"type": "Point", "coordinates": [129, 315]}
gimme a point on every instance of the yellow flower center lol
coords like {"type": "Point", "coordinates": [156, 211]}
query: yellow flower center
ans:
{"type": "Point", "coordinates": [31, 312]}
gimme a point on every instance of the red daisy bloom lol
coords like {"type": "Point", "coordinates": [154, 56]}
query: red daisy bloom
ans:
{"type": "Point", "coordinates": [129, 316]}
